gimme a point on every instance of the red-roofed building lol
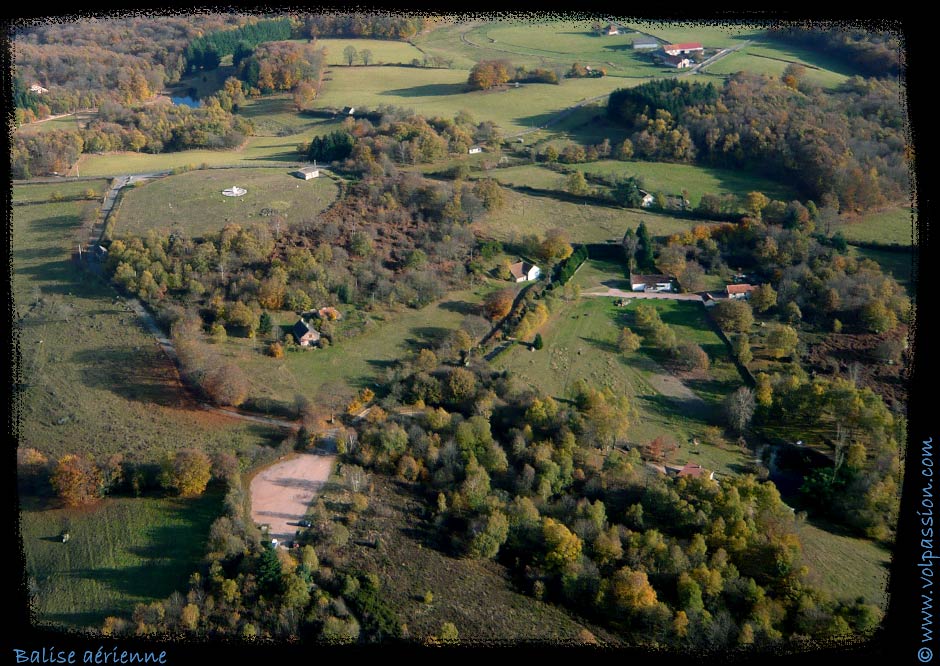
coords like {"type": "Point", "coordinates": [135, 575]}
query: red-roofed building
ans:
{"type": "Point", "coordinates": [682, 49]}
{"type": "Point", "coordinates": [695, 471]}
{"type": "Point", "coordinates": [740, 290]}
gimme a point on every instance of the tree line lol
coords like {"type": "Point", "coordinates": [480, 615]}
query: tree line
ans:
{"type": "Point", "coordinates": [207, 50]}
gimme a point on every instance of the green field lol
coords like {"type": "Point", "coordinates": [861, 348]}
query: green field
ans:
{"type": "Point", "coordinates": [122, 552]}
{"type": "Point", "coordinates": [33, 192]}
{"type": "Point", "coordinates": [772, 62]}
{"type": "Point", "coordinates": [442, 92]}
{"type": "Point", "coordinates": [528, 214]}
{"type": "Point", "coordinates": [698, 180]}
{"type": "Point", "coordinates": [277, 116]}
{"type": "Point", "coordinates": [92, 379]}
{"type": "Point", "coordinates": [711, 35]}
{"type": "Point", "coordinates": [384, 51]}
{"type": "Point", "coordinates": [193, 201]}
{"type": "Point", "coordinates": [75, 121]}
{"type": "Point", "coordinates": [258, 150]}
{"type": "Point", "coordinates": [845, 566]}
{"type": "Point", "coordinates": [357, 361]}
{"type": "Point", "coordinates": [580, 343]}
{"type": "Point", "coordinates": [898, 264]}
{"type": "Point", "coordinates": [891, 226]}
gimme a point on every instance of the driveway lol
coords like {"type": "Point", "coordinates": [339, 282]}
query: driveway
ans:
{"type": "Point", "coordinates": [281, 494]}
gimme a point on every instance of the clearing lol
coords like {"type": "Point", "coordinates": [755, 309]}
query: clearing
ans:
{"type": "Point", "coordinates": [121, 552]}
{"type": "Point", "coordinates": [281, 493]}
{"type": "Point", "coordinates": [193, 201]}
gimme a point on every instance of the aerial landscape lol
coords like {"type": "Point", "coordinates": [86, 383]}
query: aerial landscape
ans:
{"type": "Point", "coordinates": [399, 329]}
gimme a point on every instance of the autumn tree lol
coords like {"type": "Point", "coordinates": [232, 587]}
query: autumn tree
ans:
{"type": "Point", "coordinates": [188, 472]}
{"type": "Point", "coordinates": [628, 341]}
{"type": "Point", "coordinates": [562, 547]}
{"type": "Point", "coordinates": [763, 297]}
{"type": "Point", "coordinates": [350, 54]}
{"type": "Point", "coordinates": [630, 591]}
{"type": "Point", "coordinates": [226, 384]}
{"type": "Point", "coordinates": [781, 340]}
{"type": "Point", "coordinates": [77, 480]}
{"type": "Point", "coordinates": [498, 304]}
{"type": "Point", "coordinates": [556, 246]}
{"type": "Point", "coordinates": [733, 315]}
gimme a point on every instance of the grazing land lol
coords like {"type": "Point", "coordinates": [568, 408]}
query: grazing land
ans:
{"type": "Point", "coordinates": [528, 213]}
{"type": "Point", "coordinates": [194, 203]}
{"type": "Point", "coordinates": [773, 62]}
{"type": "Point", "coordinates": [121, 552]}
{"type": "Point", "coordinates": [890, 226]}
{"type": "Point", "coordinates": [384, 51]}
{"type": "Point", "coordinates": [69, 189]}
{"type": "Point", "coordinates": [94, 381]}
{"type": "Point", "coordinates": [443, 92]}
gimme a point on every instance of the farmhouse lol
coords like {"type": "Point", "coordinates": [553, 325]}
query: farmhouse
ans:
{"type": "Point", "coordinates": [650, 283]}
{"type": "Point", "coordinates": [306, 173]}
{"type": "Point", "coordinates": [682, 49]}
{"type": "Point", "coordinates": [695, 471]}
{"type": "Point", "coordinates": [38, 89]}
{"type": "Point", "coordinates": [523, 271]}
{"type": "Point", "coordinates": [474, 150]}
{"type": "Point", "coordinates": [306, 335]}
{"type": "Point", "coordinates": [677, 61]}
{"type": "Point", "coordinates": [645, 44]}
{"type": "Point", "coordinates": [648, 199]}
{"type": "Point", "coordinates": [612, 30]}
{"type": "Point", "coordinates": [737, 291]}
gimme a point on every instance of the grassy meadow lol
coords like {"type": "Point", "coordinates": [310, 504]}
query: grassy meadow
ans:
{"type": "Point", "coordinates": [194, 202]}
{"type": "Point", "coordinates": [91, 379]}
{"type": "Point", "coordinates": [121, 552]}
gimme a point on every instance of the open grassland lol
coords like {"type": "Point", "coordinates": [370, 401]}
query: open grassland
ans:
{"type": "Point", "coordinates": [443, 92]}
{"type": "Point", "coordinates": [257, 150]}
{"type": "Point", "coordinates": [580, 343]}
{"type": "Point", "coordinates": [527, 214]}
{"type": "Point", "coordinates": [277, 115]}
{"type": "Point", "coordinates": [845, 566]}
{"type": "Point", "coordinates": [384, 51]}
{"type": "Point", "coordinates": [713, 34]}
{"type": "Point", "coordinates": [698, 180]}
{"type": "Point", "coordinates": [74, 121]}
{"type": "Point", "coordinates": [770, 61]}
{"type": "Point", "coordinates": [33, 192]}
{"type": "Point", "coordinates": [92, 380]}
{"type": "Point", "coordinates": [356, 361]}
{"type": "Point", "coordinates": [194, 202]}
{"type": "Point", "coordinates": [891, 226]}
{"type": "Point", "coordinates": [121, 552]}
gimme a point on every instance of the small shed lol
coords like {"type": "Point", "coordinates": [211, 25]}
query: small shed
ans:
{"type": "Point", "coordinates": [474, 150]}
{"type": "Point", "coordinates": [349, 110]}
{"type": "Point", "coordinates": [308, 172]}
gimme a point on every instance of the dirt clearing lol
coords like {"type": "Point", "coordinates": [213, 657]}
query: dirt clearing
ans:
{"type": "Point", "coordinates": [281, 493]}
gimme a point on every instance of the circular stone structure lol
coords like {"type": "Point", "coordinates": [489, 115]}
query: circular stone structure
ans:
{"type": "Point", "coordinates": [234, 191]}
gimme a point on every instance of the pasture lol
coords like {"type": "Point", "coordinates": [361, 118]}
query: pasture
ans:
{"type": "Point", "coordinates": [193, 201]}
{"type": "Point", "coordinates": [443, 92]}
{"type": "Point", "coordinates": [121, 552]}
{"type": "Point", "coordinates": [91, 379]}
{"type": "Point", "coordinates": [580, 343]}
{"type": "Point", "coordinates": [772, 62]}
{"type": "Point", "coordinates": [894, 225]}
{"type": "Point", "coordinates": [66, 189]}
{"type": "Point", "coordinates": [527, 214]}
{"type": "Point", "coordinates": [384, 51]}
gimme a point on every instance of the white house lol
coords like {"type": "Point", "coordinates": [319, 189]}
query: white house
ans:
{"type": "Point", "coordinates": [38, 89]}
{"type": "Point", "coordinates": [650, 283]}
{"type": "Point", "coordinates": [349, 110]}
{"type": "Point", "coordinates": [306, 335]}
{"type": "Point", "coordinates": [682, 49]}
{"type": "Point", "coordinates": [612, 30]}
{"type": "Point", "coordinates": [307, 173]}
{"type": "Point", "coordinates": [474, 150]}
{"type": "Point", "coordinates": [522, 271]}
{"type": "Point", "coordinates": [648, 199]}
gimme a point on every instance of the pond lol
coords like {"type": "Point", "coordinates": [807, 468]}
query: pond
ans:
{"type": "Point", "coordinates": [187, 101]}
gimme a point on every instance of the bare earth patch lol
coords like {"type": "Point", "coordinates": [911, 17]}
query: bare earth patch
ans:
{"type": "Point", "coordinates": [281, 493]}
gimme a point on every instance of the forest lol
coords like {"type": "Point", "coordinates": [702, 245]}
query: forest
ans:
{"type": "Point", "coordinates": [850, 143]}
